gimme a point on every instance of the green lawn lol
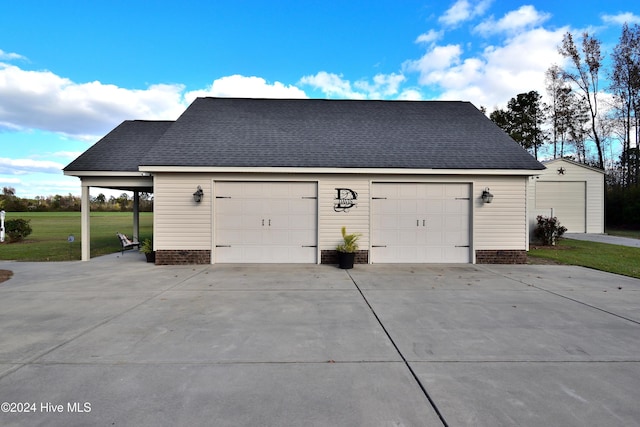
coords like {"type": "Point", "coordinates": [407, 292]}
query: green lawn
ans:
{"type": "Point", "coordinates": [600, 256]}
{"type": "Point", "coordinates": [634, 234]}
{"type": "Point", "coordinates": [49, 240]}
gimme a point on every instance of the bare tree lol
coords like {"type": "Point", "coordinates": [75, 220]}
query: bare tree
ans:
{"type": "Point", "coordinates": [625, 84]}
{"type": "Point", "coordinates": [584, 73]}
{"type": "Point", "coordinates": [559, 109]}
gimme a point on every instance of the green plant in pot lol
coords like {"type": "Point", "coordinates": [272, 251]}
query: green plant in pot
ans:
{"type": "Point", "coordinates": [147, 249]}
{"type": "Point", "coordinates": [347, 249]}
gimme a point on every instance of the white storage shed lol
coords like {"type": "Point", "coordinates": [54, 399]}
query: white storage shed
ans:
{"type": "Point", "coordinates": [572, 192]}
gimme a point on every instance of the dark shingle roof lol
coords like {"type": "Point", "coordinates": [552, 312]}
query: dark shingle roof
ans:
{"type": "Point", "coordinates": [312, 133]}
{"type": "Point", "coordinates": [320, 133]}
{"type": "Point", "coordinates": [121, 149]}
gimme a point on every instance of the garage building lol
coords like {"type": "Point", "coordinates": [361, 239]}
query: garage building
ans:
{"type": "Point", "coordinates": [274, 180]}
{"type": "Point", "coordinates": [572, 192]}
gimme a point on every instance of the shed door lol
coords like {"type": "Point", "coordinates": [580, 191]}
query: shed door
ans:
{"type": "Point", "coordinates": [265, 222]}
{"type": "Point", "coordinates": [567, 199]}
{"type": "Point", "coordinates": [417, 223]}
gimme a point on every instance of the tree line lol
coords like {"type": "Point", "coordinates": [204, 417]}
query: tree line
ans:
{"type": "Point", "coordinates": [584, 118]}
{"type": "Point", "coordinates": [592, 116]}
{"type": "Point", "coordinates": [10, 202]}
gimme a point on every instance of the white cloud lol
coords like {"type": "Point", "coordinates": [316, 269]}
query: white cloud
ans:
{"type": "Point", "coordinates": [62, 185]}
{"type": "Point", "coordinates": [463, 10]}
{"type": "Point", "coordinates": [410, 95]}
{"type": "Point", "coordinates": [9, 181]}
{"type": "Point", "coordinates": [437, 60]}
{"type": "Point", "coordinates": [622, 18]}
{"type": "Point", "coordinates": [24, 166]}
{"type": "Point", "coordinates": [86, 111]}
{"type": "Point", "coordinates": [495, 75]}
{"type": "Point", "coordinates": [9, 56]}
{"type": "Point", "coordinates": [332, 85]}
{"type": "Point", "coordinates": [382, 86]}
{"type": "Point", "coordinates": [238, 86]}
{"type": "Point", "coordinates": [43, 100]}
{"type": "Point", "coordinates": [430, 36]}
{"type": "Point", "coordinates": [516, 20]}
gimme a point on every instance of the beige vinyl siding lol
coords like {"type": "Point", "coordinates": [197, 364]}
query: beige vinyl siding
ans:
{"type": "Point", "coordinates": [501, 224]}
{"type": "Point", "coordinates": [594, 192]}
{"type": "Point", "coordinates": [355, 219]}
{"type": "Point", "coordinates": [179, 222]}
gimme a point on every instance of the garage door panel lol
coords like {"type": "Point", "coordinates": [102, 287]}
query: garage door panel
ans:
{"type": "Point", "coordinates": [385, 207]}
{"type": "Point", "coordinates": [434, 238]}
{"type": "Point", "coordinates": [232, 221]}
{"type": "Point", "coordinates": [409, 237]}
{"type": "Point", "coordinates": [414, 222]}
{"type": "Point", "coordinates": [266, 222]}
{"type": "Point", "coordinates": [435, 206]}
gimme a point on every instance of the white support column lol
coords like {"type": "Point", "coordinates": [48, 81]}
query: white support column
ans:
{"type": "Point", "coordinates": [136, 216]}
{"type": "Point", "coordinates": [85, 224]}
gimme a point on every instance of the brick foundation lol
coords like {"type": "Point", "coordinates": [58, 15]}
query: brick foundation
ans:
{"type": "Point", "coordinates": [331, 257]}
{"type": "Point", "coordinates": [182, 257]}
{"type": "Point", "coordinates": [501, 257]}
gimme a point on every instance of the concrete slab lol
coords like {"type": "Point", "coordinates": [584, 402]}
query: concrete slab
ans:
{"type": "Point", "coordinates": [487, 325]}
{"type": "Point", "coordinates": [281, 394]}
{"type": "Point", "coordinates": [237, 326]}
{"type": "Point", "coordinates": [36, 323]}
{"type": "Point", "coordinates": [290, 345]}
{"type": "Point", "coordinates": [534, 393]}
{"type": "Point", "coordinates": [268, 277]}
{"type": "Point", "coordinates": [611, 293]}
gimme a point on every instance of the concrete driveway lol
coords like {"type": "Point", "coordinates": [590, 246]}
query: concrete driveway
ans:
{"type": "Point", "coordinates": [118, 342]}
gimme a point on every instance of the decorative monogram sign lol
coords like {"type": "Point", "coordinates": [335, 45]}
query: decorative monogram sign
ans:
{"type": "Point", "coordinates": [345, 199]}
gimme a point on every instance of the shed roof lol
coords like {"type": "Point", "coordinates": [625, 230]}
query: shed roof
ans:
{"type": "Point", "coordinates": [313, 133]}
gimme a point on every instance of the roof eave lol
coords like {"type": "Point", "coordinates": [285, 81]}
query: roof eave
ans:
{"type": "Point", "coordinates": [371, 171]}
{"type": "Point", "coordinates": [94, 173]}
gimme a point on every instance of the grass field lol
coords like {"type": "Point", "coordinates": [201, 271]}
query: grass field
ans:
{"type": "Point", "coordinates": [600, 256]}
{"type": "Point", "coordinates": [49, 240]}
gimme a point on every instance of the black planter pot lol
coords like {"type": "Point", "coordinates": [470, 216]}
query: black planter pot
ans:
{"type": "Point", "coordinates": [346, 259]}
{"type": "Point", "coordinates": [151, 256]}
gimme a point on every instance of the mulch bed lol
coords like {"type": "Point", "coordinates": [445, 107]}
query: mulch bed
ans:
{"type": "Point", "coordinates": [5, 275]}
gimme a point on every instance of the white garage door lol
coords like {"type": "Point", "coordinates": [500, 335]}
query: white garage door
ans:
{"type": "Point", "coordinates": [265, 222]}
{"type": "Point", "coordinates": [417, 223]}
{"type": "Point", "coordinates": [567, 199]}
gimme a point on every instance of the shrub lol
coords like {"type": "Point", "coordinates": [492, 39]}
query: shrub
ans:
{"type": "Point", "coordinates": [17, 229]}
{"type": "Point", "coordinates": [548, 230]}
{"type": "Point", "coordinates": [349, 242]}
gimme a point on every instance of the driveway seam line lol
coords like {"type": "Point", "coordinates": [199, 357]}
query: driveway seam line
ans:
{"type": "Point", "coordinates": [566, 297]}
{"type": "Point", "coordinates": [404, 359]}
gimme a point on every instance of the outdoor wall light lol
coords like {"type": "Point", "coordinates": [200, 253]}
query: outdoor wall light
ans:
{"type": "Point", "coordinates": [198, 195]}
{"type": "Point", "coordinates": [487, 197]}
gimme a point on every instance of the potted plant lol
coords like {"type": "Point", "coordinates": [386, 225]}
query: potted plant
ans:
{"type": "Point", "coordinates": [147, 249]}
{"type": "Point", "coordinates": [347, 249]}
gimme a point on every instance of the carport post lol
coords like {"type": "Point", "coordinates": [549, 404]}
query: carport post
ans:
{"type": "Point", "coordinates": [136, 216]}
{"type": "Point", "coordinates": [85, 208]}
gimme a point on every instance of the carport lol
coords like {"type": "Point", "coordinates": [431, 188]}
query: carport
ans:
{"type": "Point", "coordinates": [115, 166]}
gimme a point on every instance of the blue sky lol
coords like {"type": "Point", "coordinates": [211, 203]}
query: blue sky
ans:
{"type": "Point", "coordinates": [70, 71]}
